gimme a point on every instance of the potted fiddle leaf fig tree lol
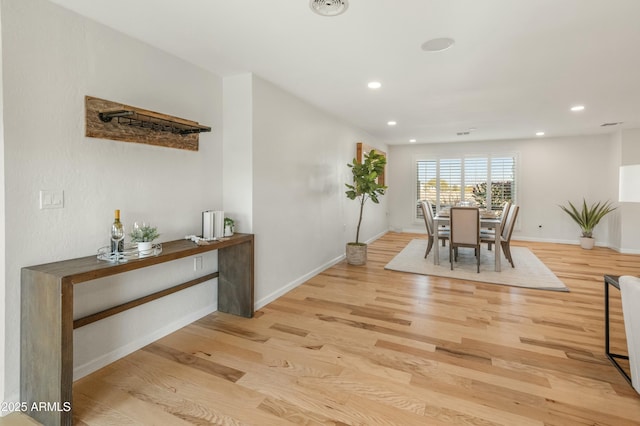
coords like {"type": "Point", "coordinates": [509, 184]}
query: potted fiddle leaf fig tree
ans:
{"type": "Point", "coordinates": [587, 218]}
{"type": "Point", "coordinates": [364, 187]}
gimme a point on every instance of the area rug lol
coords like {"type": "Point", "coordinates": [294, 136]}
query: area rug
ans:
{"type": "Point", "coordinates": [529, 271]}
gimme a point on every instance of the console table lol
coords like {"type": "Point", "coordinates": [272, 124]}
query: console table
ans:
{"type": "Point", "coordinates": [611, 280]}
{"type": "Point", "coordinates": [46, 370]}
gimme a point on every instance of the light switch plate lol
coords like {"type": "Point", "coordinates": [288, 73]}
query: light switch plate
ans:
{"type": "Point", "coordinates": [51, 199]}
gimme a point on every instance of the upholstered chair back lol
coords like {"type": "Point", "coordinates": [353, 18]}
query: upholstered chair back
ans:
{"type": "Point", "coordinates": [465, 225]}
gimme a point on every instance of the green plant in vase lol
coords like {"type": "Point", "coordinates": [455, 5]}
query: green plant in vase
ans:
{"type": "Point", "coordinates": [587, 218]}
{"type": "Point", "coordinates": [143, 235]}
{"type": "Point", "coordinates": [229, 227]}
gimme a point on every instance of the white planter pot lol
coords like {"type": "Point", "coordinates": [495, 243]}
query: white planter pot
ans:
{"type": "Point", "coordinates": [587, 243]}
{"type": "Point", "coordinates": [145, 249]}
{"type": "Point", "coordinates": [228, 231]}
{"type": "Point", "coordinates": [356, 254]}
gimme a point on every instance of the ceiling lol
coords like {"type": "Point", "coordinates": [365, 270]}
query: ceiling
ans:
{"type": "Point", "coordinates": [516, 68]}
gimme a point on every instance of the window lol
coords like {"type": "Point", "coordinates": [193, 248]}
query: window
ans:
{"type": "Point", "coordinates": [449, 182]}
{"type": "Point", "coordinates": [485, 181]}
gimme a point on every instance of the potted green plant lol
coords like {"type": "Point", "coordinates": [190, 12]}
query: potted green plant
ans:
{"type": "Point", "coordinates": [229, 226]}
{"type": "Point", "coordinates": [143, 235]}
{"type": "Point", "coordinates": [364, 187]}
{"type": "Point", "coordinates": [587, 218]}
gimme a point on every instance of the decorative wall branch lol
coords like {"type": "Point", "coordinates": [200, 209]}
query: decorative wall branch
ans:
{"type": "Point", "coordinates": [109, 120]}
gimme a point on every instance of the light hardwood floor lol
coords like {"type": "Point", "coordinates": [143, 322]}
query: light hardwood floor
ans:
{"type": "Point", "coordinates": [366, 346]}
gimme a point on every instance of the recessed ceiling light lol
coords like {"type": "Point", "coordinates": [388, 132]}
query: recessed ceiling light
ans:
{"type": "Point", "coordinates": [437, 44]}
{"type": "Point", "coordinates": [391, 123]}
{"type": "Point", "coordinates": [412, 141]}
{"type": "Point", "coordinates": [539, 133]}
{"type": "Point", "coordinates": [374, 85]}
{"type": "Point", "coordinates": [329, 7]}
{"type": "Point", "coordinates": [577, 108]}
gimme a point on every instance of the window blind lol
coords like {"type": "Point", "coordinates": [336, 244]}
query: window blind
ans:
{"type": "Point", "coordinates": [503, 175]}
{"type": "Point", "coordinates": [485, 181]}
{"type": "Point", "coordinates": [449, 182]}
{"type": "Point", "coordinates": [476, 175]}
{"type": "Point", "coordinates": [426, 183]}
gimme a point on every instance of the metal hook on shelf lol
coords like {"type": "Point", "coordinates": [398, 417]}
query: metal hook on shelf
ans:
{"type": "Point", "coordinates": [133, 118]}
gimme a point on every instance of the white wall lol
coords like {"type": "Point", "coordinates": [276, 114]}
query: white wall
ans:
{"type": "Point", "coordinates": [301, 215]}
{"type": "Point", "coordinates": [630, 212]}
{"type": "Point", "coordinates": [614, 224]}
{"type": "Point", "coordinates": [52, 58]}
{"type": "Point", "coordinates": [2, 232]}
{"type": "Point", "coordinates": [551, 172]}
{"type": "Point", "coordinates": [238, 150]}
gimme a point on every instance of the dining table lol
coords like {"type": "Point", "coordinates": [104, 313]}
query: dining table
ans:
{"type": "Point", "coordinates": [486, 221]}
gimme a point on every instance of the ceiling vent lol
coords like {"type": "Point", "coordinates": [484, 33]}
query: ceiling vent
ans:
{"type": "Point", "coordinates": [329, 7]}
{"type": "Point", "coordinates": [462, 133]}
{"type": "Point", "coordinates": [611, 124]}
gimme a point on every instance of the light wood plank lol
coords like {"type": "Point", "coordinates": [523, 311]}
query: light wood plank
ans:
{"type": "Point", "coordinates": [362, 345]}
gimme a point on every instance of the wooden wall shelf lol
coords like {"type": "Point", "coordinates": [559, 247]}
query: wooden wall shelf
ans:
{"type": "Point", "coordinates": [46, 367]}
{"type": "Point", "coordinates": [109, 120]}
{"type": "Point", "coordinates": [146, 121]}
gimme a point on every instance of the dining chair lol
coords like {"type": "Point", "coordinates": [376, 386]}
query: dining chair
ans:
{"type": "Point", "coordinates": [443, 231]}
{"type": "Point", "coordinates": [505, 237]}
{"type": "Point", "coordinates": [429, 222]}
{"type": "Point", "coordinates": [489, 236]}
{"type": "Point", "coordinates": [430, 233]}
{"type": "Point", "coordinates": [464, 224]}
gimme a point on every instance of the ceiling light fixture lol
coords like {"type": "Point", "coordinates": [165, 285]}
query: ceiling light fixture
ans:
{"type": "Point", "coordinates": [374, 85]}
{"type": "Point", "coordinates": [412, 141]}
{"type": "Point", "coordinates": [391, 123]}
{"type": "Point", "coordinates": [577, 108]}
{"type": "Point", "coordinates": [539, 133]}
{"type": "Point", "coordinates": [437, 44]}
{"type": "Point", "coordinates": [329, 7]}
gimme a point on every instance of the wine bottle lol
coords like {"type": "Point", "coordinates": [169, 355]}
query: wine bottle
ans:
{"type": "Point", "coordinates": [117, 234]}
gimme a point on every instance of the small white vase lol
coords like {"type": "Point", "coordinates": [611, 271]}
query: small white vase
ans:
{"type": "Point", "coordinates": [228, 231]}
{"type": "Point", "coordinates": [145, 248]}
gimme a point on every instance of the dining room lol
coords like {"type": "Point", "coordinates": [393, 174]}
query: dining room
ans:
{"type": "Point", "coordinates": [544, 174]}
{"type": "Point", "coordinates": [470, 243]}
{"type": "Point", "coordinates": [537, 182]}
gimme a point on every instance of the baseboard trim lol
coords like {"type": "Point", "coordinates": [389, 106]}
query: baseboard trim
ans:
{"type": "Point", "coordinates": [306, 277]}
{"type": "Point", "coordinates": [575, 242]}
{"type": "Point", "coordinates": [295, 283]}
{"type": "Point", "coordinates": [106, 359]}
{"type": "Point", "coordinates": [535, 240]}
{"type": "Point", "coordinates": [626, 251]}
{"type": "Point", "coordinates": [12, 400]}
{"type": "Point", "coordinates": [375, 237]}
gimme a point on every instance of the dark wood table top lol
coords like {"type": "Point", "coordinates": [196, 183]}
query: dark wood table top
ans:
{"type": "Point", "coordinates": [90, 267]}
